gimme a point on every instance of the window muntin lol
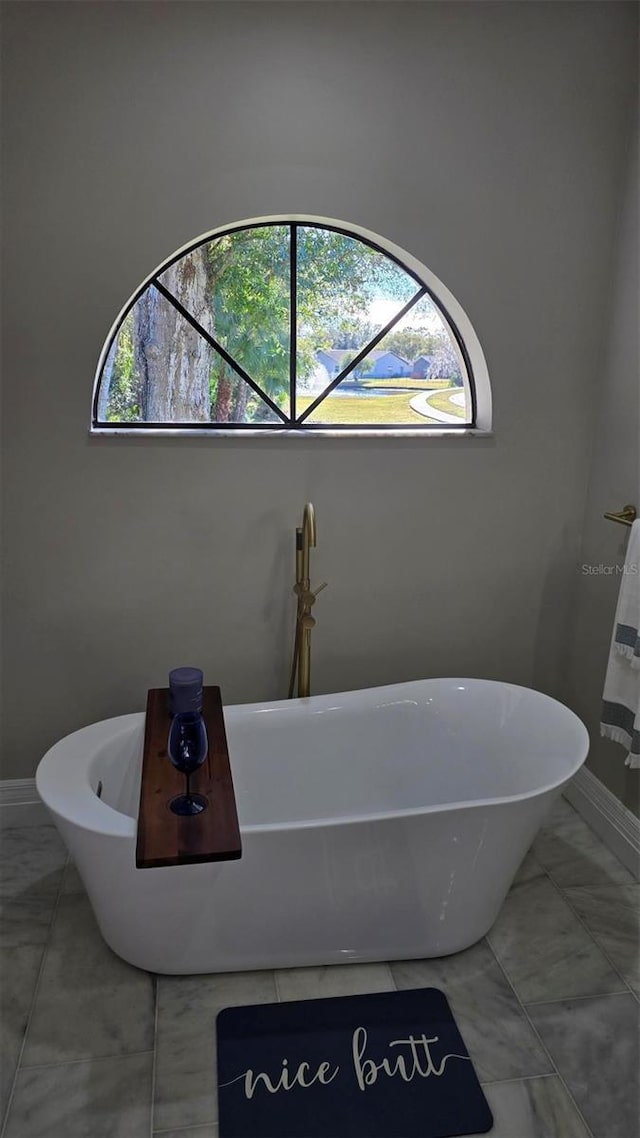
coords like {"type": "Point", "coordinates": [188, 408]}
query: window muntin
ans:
{"type": "Point", "coordinates": [298, 325]}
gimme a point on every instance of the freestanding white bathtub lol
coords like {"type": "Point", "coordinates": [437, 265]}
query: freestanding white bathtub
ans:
{"type": "Point", "coordinates": [376, 825]}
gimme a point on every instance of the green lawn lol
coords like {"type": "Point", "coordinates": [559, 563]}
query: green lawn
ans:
{"type": "Point", "coordinates": [442, 402]}
{"type": "Point", "coordinates": [355, 409]}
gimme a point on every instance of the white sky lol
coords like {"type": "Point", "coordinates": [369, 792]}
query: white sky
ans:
{"type": "Point", "coordinates": [422, 315]}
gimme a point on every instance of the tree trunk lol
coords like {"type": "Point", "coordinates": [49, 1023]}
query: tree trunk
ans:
{"type": "Point", "coordinates": [222, 411]}
{"type": "Point", "coordinates": [174, 361]}
{"type": "Point", "coordinates": [240, 402]}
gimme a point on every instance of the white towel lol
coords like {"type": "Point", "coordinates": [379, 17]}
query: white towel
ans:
{"type": "Point", "coordinates": [621, 697]}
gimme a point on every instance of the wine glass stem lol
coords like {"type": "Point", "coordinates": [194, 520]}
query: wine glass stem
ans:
{"type": "Point", "coordinates": [188, 776]}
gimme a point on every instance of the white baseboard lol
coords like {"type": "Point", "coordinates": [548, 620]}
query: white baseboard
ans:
{"type": "Point", "coordinates": [614, 824]}
{"type": "Point", "coordinates": [20, 804]}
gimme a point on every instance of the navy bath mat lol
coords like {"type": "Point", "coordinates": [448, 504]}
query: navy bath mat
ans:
{"type": "Point", "coordinates": [390, 1065]}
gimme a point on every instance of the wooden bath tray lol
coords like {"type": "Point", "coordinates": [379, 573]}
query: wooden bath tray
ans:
{"type": "Point", "coordinates": [165, 838]}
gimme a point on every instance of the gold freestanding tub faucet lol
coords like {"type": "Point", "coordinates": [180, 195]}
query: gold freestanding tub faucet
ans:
{"type": "Point", "coordinates": [301, 664]}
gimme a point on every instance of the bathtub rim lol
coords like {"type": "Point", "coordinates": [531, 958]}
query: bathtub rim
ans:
{"type": "Point", "coordinates": [81, 807]}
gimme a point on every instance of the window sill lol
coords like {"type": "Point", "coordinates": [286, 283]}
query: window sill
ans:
{"type": "Point", "coordinates": [285, 433]}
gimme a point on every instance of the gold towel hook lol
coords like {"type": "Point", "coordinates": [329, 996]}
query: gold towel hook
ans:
{"type": "Point", "coordinates": [626, 516]}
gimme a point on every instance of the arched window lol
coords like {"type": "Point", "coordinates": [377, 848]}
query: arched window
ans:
{"type": "Point", "coordinates": [291, 324]}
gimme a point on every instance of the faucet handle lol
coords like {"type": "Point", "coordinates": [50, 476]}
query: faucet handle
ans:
{"type": "Point", "coordinates": [307, 597]}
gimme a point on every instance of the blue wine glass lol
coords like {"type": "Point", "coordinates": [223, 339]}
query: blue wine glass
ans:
{"type": "Point", "coordinates": [187, 747]}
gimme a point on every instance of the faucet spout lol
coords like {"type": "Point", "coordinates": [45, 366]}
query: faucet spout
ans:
{"type": "Point", "coordinates": [308, 538]}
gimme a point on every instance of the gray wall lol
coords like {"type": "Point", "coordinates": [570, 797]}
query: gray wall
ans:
{"type": "Point", "coordinates": [130, 128]}
{"type": "Point", "coordinates": [614, 480]}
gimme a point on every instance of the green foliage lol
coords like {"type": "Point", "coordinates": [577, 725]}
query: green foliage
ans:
{"type": "Point", "coordinates": [350, 334]}
{"type": "Point", "coordinates": [249, 289]}
{"type": "Point", "coordinates": [124, 389]}
{"type": "Point", "coordinates": [363, 368]}
{"type": "Point", "coordinates": [411, 342]}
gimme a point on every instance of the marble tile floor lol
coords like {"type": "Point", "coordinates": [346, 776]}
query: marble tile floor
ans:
{"type": "Point", "coordinates": [547, 1003]}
